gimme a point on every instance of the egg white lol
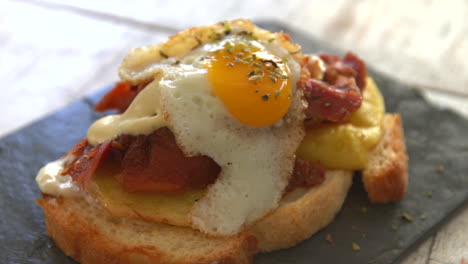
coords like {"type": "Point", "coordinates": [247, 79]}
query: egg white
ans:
{"type": "Point", "coordinates": [256, 162]}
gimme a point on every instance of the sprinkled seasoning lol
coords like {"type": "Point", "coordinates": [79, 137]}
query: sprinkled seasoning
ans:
{"type": "Point", "coordinates": [265, 97]}
{"type": "Point", "coordinates": [355, 246]}
{"type": "Point", "coordinates": [295, 52]}
{"type": "Point", "coordinates": [230, 64]}
{"type": "Point", "coordinates": [273, 79]}
{"type": "Point", "coordinates": [407, 217]}
{"type": "Point", "coordinates": [271, 40]}
{"type": "Point", "coordinates": [227, 28]}
{"type": "Point", "coordinates": [277, 94]}
{"type": "Point", "coordinates": [164, 55]}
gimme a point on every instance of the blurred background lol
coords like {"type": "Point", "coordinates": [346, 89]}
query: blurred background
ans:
{"type": "Point", "coordinates": [53, 52]}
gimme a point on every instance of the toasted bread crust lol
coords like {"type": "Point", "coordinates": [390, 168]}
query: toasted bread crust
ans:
{"type": "Point", "coordinates": [386, 177]}
{"type": "Point", "coordinates": [90, 235]}
{"type": "Point", "coordinates": [296, 221]}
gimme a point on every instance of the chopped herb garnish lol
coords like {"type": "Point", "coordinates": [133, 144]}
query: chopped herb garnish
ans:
{"type": "Point", "coordinates": [423, 216]}
{"type": "Point", "coordinates": [273, 79]}
{"type": "Point", "coordinates": [199, 43]}
{"type": "Point", "coordinates": [407, 217]}
{"type": "Point", "coordinates": [164, 55]}
{"type": "Point", "coordinates": [240, 54]}
{"type": "Point", "coordinates": [227, 28]}
{"type": "Point", "coordinates": [284, 59]}
{"type": "Point", "coordinates": [327, 104]}
{"type": "Point", "coordinates": [295, 52]}
{"type": "Point", "coordinates": [237, 59]}
{"type": "Point", "coordinates": [265, 97]}
{"type": "Point", "coordinates": [230, 50]}
{"type": "Point", "coordinates": [245, 49]}
{"type": "Point", "coordinates": [428, 194]}
{"type": "Point", "coordinates": [271, 40]}
{"type": "Point", "coordinates": [255, 77]}
{"type": "Point", "coordinates": [256, 64]}
{"type": "Point", "coordinates": [230, 64]}
{"type": "Point", "coordinates": [256, 90]}
{"type": "Point", "coordinates": [277, 92]}
{"type": "Point", "coordinates": [252, 73]}
{"type": "Point", "coordinates": [355, 246]}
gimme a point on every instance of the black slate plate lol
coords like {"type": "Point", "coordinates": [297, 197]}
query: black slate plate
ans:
{"type": "Point", "coordinates": [434, 137]}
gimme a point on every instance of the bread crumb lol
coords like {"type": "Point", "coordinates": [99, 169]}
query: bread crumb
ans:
{"type": "Point", "coordinates": [328, 237]}
{"type": "Point", "coordinates": [355, 247]}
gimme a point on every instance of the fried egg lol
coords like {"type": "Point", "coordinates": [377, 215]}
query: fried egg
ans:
{"type": "Point", "coordinates": [228, 92]}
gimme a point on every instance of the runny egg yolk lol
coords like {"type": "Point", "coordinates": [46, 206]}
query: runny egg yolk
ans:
{"type": "Point", "coordinates": [253, 84]}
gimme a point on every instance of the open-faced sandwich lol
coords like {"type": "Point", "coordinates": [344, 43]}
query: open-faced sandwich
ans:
{"type": "Point", "coordinates": [229, 141]}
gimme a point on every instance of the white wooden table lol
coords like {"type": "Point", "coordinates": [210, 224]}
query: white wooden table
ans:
{"type": "Point", "coordinates": [53, 52]}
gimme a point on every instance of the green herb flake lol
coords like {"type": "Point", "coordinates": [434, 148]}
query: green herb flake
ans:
{"type": "Point", "coordinates": [256, 64]}
{"type": "Point", "coordinates": [327, 104]}
{"type": "Point", "coordinates": [240, 54]}
{"type": "Point", "coordinates": [230, 50]}
{"type": "Point", "coordinates": [428, 194]}
{"type": "Point", "coordinates": [273, 79]}
{"type": "Point", "coordinates": [265, 97]}
{"type": "Point", "coordinates": [295, 52]}
{"type": "Point", "coordinates": [164, 55]}
{"type": "Point", "coordinates": [271, 40]}
{"type": "Point", "coordinates": [245, 49]}
{"type": "Point", "coordinates": [230, 64]}
{"type": "Point", "coordinates": [255, 78]}
{"type": "Point", "coordinates": [407, 217]}
{"type": "Point", "coordinates": [423, 216]}
{"type": "Point", "coordinates": [284, 59]}
{"type": "Point", "coordinates": [277, 94]}
{"type": "Point", "coordinates": [256, 90]}
{"type": "Point", "coordinates": [355, 246]}
{"type": "Point", "coordinates": [227, 28]}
